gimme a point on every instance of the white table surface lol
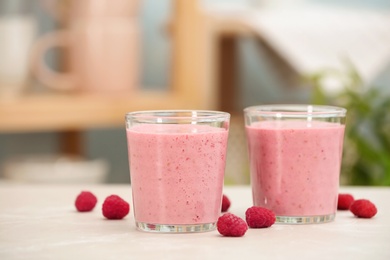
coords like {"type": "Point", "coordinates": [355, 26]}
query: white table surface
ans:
{"type": "Point", "coordinates": [41, 222]}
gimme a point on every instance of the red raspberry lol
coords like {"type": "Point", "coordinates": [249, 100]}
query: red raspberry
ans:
{"type": "Point", "coordinates": [363, 208]}
{"type": "Point", "coordinates": [230, 225]}
{"type": "Point", "coordinates": [225, 203]}
{"type": "Point", "coordinates": [85, 201]}
{"type": "Point", "coordinates": [344, 201]}
{"type": "Point", "coordinates": [258, 217]}
{"type": "Point", "coordinates": [114, 207]}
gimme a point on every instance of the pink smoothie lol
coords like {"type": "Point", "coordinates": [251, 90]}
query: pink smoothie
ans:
{"type": "Point", "coordinates": [295, 166]}
{"type": "Point", "coordinates": [177, 172]}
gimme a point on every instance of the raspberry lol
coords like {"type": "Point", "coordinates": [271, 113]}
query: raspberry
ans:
{"type": "Point", "coordinates": [225, 203]}
{"type": "Point", "coordinates": [85, 201]}
{"type": "Point", "coordinates": [114, 207]}
{"type": "Point", "coordinates": [258, 217]}
{"type": "Point", "coordinates": [363, 208]}
{"type": "Point", "coordinates": [230, 225]}
{"type": "Point", "coordinates": [344, 201]}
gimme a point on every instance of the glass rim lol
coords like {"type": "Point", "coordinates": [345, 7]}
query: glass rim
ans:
{"type": "Point", "coordinates": [292, 110]}
{"type": "Point", "coordinates": [178, 114]}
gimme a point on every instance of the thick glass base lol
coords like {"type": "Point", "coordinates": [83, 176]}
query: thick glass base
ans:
{"type": "Point", "coordinates": [160, 228]}
{"type": "Point", "coordinates": [304, 219]}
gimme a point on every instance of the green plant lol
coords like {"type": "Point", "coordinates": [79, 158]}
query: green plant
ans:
{"type": "Point", "coordinates": [366, 156]}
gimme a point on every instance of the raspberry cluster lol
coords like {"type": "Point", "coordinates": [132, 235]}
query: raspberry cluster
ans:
{"type": "Point", "coordinates": [231, 225]}
{"type": "Point", "coordinates": [361, 208]}
{"type": "Point", "coordinates": [258, 217]}
{"type": "Point", "coordinates": [114, 207]}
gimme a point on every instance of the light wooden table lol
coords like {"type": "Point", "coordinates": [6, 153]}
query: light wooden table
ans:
{"type": "Point", "coordinates": [40, 222]}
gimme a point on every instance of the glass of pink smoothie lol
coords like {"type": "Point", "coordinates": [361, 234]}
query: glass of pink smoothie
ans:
{"type": "Point", "coordinates": [295, 154]}
{"type": "Point", "coordinates": [177, 164]}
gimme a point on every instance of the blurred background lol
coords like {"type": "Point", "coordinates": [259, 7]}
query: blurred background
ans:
{"type": "Point", "coordinates": [70, 70]}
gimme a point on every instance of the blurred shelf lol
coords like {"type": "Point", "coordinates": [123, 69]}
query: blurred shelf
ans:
{"type": "Point", "coordinates": [196, 83]}
{"type": "Point", "coordinates": [55, 112]}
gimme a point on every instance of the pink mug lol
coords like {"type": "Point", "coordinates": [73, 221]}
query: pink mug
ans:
{"type": "Point", "coordinates": [104, 42]}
